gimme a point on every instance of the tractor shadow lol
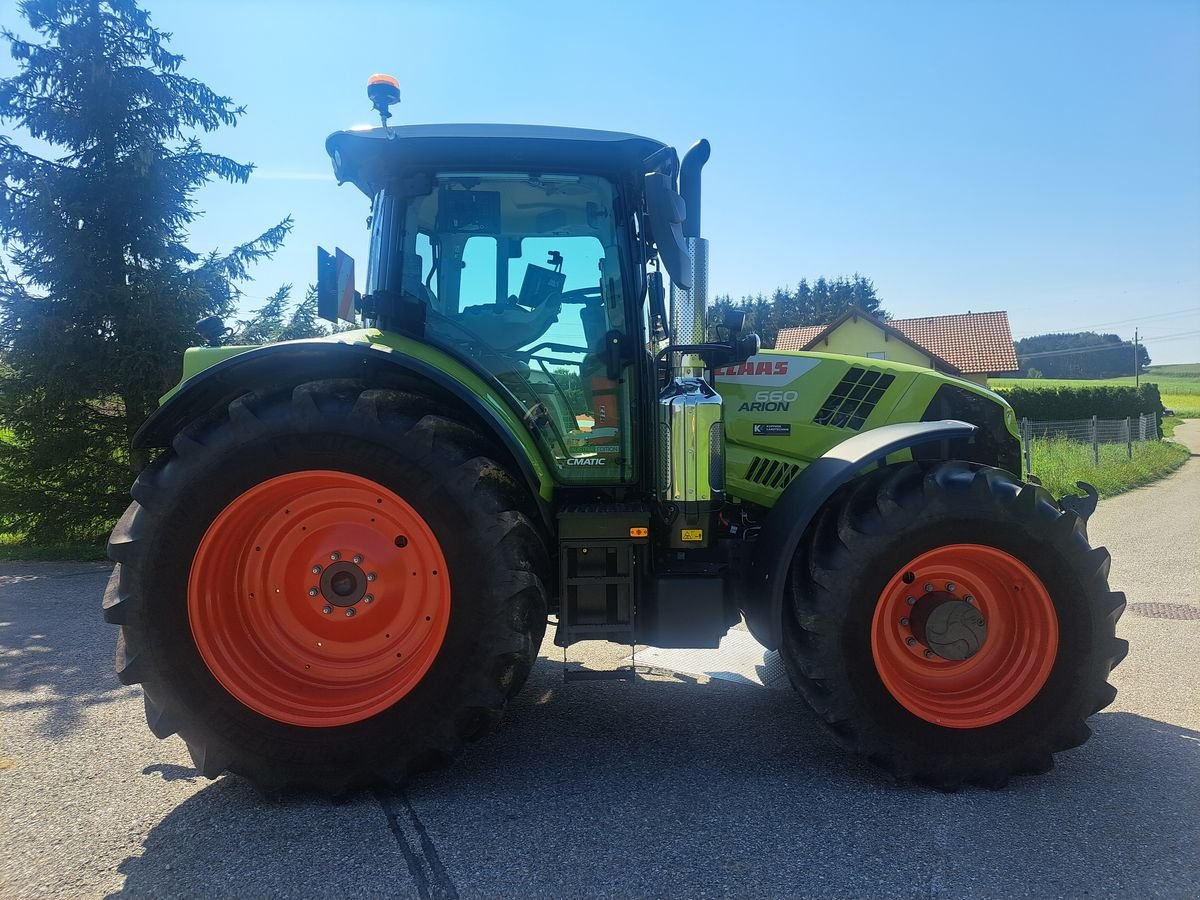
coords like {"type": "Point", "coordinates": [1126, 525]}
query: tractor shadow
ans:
{"type": "Point", "coordinates": [57, 660]}
{"type": "Point", "coordinates": [678, 787]}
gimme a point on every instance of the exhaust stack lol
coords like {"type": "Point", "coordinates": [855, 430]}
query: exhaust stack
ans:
{"type": "Point", "coordinates": [689, 305]}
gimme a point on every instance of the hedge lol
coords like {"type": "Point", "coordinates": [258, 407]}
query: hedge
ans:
{"type": "Point", "coordinates": [1064, 403]}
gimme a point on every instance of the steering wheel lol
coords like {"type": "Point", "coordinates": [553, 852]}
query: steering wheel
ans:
{"type": "Point", "coordinates": [580, 296]}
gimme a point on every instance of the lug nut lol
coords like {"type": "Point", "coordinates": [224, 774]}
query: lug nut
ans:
{"type": "Point", "coordinates": [912, 601]}
{"type": "Point", "coordinates": [904, 621]}
{"type": "Point", "coordinates": [969, 599]}
{"type": "Point", "coordinates": [929, 654]}
{"type": "Point", "coordinates": [350, 613]}
{"type": "Point", "coordinates": [950, 586]}
{"type": "Point", "coordinates": [335, 556]}
{"type": "Point", "coordinates": [357, 558]}
{"type": "Point", "coordinates": [928, 588]}
{"type": "Point", "coordinates": [370, 576]}
{"type": "Point", "coordinates": [370, 598]}
{"type": "Point", "coordinates": [316, 570]}
{"type": "Point", "coordinates": [327, 610]}
{"type": "Point", "coordinates": [910, 641]}
{"type": "Point", "coordinates": [312, 592]}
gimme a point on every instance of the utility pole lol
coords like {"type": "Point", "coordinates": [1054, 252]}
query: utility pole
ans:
{"type": "Point", "coordinates": [1137, 369]}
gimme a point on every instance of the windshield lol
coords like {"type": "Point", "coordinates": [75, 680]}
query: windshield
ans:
{"type": "Point", "coordinates": [522, 272]}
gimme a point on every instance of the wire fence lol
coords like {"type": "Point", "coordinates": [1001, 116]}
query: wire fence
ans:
{"type": "Point", "coordinates": [1093, 432]}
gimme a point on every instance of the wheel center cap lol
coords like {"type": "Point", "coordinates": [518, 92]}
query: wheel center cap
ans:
{"type": "Point", "coordinates": [950, 627]}
{"type": "Point", "coordinates": [343, 584]}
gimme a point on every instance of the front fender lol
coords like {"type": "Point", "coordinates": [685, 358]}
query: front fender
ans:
{"type": "Point", "coordinates": [279, 366]}
{"type": "Point", "coordinates": [771, 558]}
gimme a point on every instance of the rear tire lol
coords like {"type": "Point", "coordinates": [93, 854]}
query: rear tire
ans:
{"type": "Point", "coordinates": [1038, 668]}
{"type": "Point", "coordinates": [235, 673]}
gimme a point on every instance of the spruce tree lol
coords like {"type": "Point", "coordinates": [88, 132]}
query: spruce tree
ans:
{"type": "Point", "coordinates": [271, 322]}
{"type": "Point", "coordinates": [101, 292]}
{"type": "Point", "coordinates": [304, 322]}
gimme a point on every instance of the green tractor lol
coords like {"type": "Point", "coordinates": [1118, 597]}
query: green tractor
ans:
{"type": "Point", "coordinates": [340, 567]}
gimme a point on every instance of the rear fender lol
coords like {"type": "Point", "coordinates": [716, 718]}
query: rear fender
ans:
{"type": "Point", "coordinates": [771, 557]}
{"type": "Point", "coordinates": [279, 366]}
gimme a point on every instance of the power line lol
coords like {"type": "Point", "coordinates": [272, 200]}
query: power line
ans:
{"type": "Point", "coordinates": [1096, 348]}
{"type": "Point", "coordinates": [1166, 315]}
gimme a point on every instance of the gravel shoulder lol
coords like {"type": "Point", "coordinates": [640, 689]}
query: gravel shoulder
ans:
{"type": "Point", "coordinates": [676, 785]}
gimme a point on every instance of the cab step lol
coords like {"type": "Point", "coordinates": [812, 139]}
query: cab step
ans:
{"type": "Point", "coordinates": [602, 560]}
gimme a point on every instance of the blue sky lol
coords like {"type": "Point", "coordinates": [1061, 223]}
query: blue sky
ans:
{"type": "Point", "coordinates": [1042, 158]}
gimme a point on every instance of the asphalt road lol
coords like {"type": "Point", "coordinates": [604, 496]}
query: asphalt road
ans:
{"type": "Point", "coordinates": [676, 785]}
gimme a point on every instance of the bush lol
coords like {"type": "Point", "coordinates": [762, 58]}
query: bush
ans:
{"type": "Point", "coordinates": [1064, 403]}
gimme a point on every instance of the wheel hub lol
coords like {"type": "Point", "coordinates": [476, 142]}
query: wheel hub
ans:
{"type": "Point", "coordinates": [949, 626]}
{"type": "Point", "coordinates": [343, 584]}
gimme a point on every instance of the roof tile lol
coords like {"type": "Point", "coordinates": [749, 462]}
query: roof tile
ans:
{"type": "Point", "coordinates": [971, 342]}
{"type": "Point", "coordinates": [796, 338]}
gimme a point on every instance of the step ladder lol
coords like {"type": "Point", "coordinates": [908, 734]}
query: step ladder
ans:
{"type": "Point", "coordinates": [602, 552]}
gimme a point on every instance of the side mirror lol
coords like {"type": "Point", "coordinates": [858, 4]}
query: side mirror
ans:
{"type": "Point", "coordinates": [658, 304]}
{"type": "Point", "coordinates": [666, 212]}
{"type": "Point", "coordinates": [335, 286]}
{"type": "Point", "coordinates": [734, 320]}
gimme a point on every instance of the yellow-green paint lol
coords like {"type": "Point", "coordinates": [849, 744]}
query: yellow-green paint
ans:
{"type": "Point", "coordinates": [788, 387]}
{"type": "Point", "coordinates": [197, 359]}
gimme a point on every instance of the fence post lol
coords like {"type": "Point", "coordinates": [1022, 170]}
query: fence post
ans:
{"type": "Point", "coordinates": [1027, 440]}
{"type": "Point", "coordinates": [1095, 443]}
{"type": "Point", "coordinates": [1141, 427]}
{"type": "Point", "coordinates": [1128, 438]}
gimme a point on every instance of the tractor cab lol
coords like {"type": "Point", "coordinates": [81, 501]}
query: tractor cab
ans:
{"type": "Point", "coordinates": [524, 251]}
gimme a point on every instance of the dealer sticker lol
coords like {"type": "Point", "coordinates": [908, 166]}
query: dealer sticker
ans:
{"type": "Point", "coordinates": [775, 429]}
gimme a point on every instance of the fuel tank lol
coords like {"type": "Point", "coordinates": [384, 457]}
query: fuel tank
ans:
{"type": "Point", "coordinates": [691, 459]}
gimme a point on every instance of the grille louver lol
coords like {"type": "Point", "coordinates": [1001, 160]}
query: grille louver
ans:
{"type": "Point", "coordinates": [772, 473]}
{"type": "Point", "coordinates": [853, 399]}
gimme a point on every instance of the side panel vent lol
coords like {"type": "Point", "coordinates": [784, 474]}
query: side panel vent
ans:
{"type": "Point", "coordinates": [772, 473]}
{"type": "Point", "coordinates": [853, 399]}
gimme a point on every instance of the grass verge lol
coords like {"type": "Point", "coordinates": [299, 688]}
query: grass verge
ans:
{"type": "Point", "coordinates": [14, 546]}
{"type": "Point", "coordinates": [1060, 463]}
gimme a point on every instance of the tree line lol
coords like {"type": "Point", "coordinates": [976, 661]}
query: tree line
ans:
{"type": "Point", "coordinates": [818, 303]}
{"type": "Point", "coordinates": [1081, 354]}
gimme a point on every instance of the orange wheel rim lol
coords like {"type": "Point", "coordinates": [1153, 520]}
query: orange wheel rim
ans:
{"type": "Point", "coordinates": [319, 598]}
{"type": "Point", "coordinates": [972, 601]}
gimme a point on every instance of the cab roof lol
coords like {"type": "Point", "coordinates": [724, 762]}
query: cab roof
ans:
{"type": "Point", "coordinates": [367, 157]}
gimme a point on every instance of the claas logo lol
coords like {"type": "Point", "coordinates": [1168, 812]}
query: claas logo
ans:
{"type": "Point", "coordinates": [772, 367]}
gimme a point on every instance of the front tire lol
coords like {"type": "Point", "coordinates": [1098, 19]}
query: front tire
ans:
{"type": "Point", "coordinates": [952, 624]}
{"type": "Point", "coordinates": [327, 590]}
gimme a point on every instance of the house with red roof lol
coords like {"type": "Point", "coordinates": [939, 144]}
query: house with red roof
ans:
{"type": "Point", "coordinates": [968, 345]}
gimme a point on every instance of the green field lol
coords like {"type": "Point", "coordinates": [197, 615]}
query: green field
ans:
{"type": "Point", "coordinates": [1179, 385]}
